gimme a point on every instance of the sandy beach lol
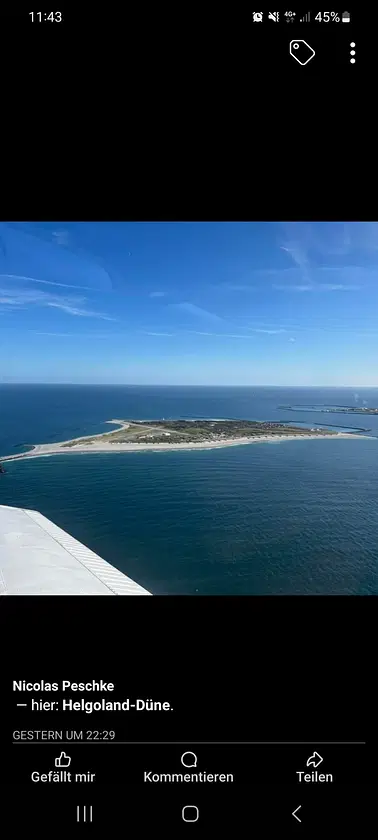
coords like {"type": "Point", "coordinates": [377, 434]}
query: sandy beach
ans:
{"type": "Point", "coordinates": [46, 449]}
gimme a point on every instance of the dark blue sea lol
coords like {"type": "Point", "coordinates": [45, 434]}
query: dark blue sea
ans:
{"type": "Point", "coordinates": [297, 517]}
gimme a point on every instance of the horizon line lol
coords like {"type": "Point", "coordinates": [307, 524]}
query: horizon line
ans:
{"type": "Point", "coordinates": [183, 385]}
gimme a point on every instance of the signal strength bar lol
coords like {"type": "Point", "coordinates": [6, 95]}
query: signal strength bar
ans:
{"type": "Point", "coordinates": [306, 18]}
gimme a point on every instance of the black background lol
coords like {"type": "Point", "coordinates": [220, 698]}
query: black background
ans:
{"type": "Point", "coordinates": [192, 118]}
{"type": "Point", "coordinates": [279, 668]}
{"type": "Point", "coordinates": [234, 669]}
{"type": "Point", "coordinates": [284, 658]}
{"type": "Point", "coordinates": [211, 44]}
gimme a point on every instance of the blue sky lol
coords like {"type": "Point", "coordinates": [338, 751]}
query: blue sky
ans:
{"type": "Point", "coordinates": [189, 303]}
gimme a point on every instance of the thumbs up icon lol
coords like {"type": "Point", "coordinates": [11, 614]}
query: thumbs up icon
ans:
{"type": "Point", "coordinates": [63, 760]}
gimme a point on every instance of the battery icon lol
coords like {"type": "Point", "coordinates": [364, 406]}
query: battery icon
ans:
{"type": "Point", "coordinates": [345, 17]}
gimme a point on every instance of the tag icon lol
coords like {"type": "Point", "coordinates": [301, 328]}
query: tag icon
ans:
{"type": "Point", "coordinates": [301, 51]}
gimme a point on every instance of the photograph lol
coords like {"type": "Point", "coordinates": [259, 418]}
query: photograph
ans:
{"type": "Point", "coordinates": [188, 408]}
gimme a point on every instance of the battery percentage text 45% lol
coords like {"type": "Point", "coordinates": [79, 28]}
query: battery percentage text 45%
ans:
{"type": "Point", "coordinates": [328, 17]}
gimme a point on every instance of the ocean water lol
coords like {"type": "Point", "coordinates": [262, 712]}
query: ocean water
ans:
{"type": "Point", "coordinates": [296, 517]}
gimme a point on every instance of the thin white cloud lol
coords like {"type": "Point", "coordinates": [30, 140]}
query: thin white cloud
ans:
{"type": "Point", "coordinates": [82, 313]}
{"type": "Point", "coordinates": [230, 335]}
{"type": "Point", "coordinates": [371, 236]}
{"type": "Point", "coordinates": [198, 332]}
{"type": "Point", "coordinates": [291, 339]}
{"type": "Point", "coordinates": [338, 287]}
{"type": "Point", "coordinates": [60, 335]}
{"type": "Point", "coordinates": [162, 334]}
{"type": "Point", "coordinates": [299, 287]}
{"type": "Point", "coordinates": [61, 237]}
{"type": "Point", "coordinates": [19, 297]}
{"type": "Point", "coordinates": [9, 307]}
{"type": "Point", "coordinates": [266, 272]}
{"type": "Point", "coordinates": [268, 332]}
{"type": "Point", "coordinates": [8, 301]}
{"type": "Point", "coordinates": [70, 304]}
{"type": "Point", "coordinates": [337, 239]}
{"type": "Point", "coordinates": [234, 335]}
{"type": "Point", "coordinates": [299, 257]}
{"type": "Point", "coordinates": [349, 270]}
{"type": "Point", "coordinates": [91, 335]}
{"type": "Point", "coordinates": [28, 248]}
{"type": "Point", "coordinates": [346, 238]}
{"type": "Point", "coordinates": [156, 294]}
{"type": "Point", "coordinates": [196, 311]}
{"type": "Point", "coordinates": [316, 287]}
{"type": "Point", "coordinates": [45, 282]}
{"type": "Point", "coordinates": [234, 287]}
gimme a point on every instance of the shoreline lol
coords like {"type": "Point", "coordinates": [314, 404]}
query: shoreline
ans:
{"type": "Point", "coordinates": [49, 449]}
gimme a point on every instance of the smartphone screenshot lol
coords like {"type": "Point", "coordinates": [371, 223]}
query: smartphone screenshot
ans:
{"type": "Point", "coordinates": [188, 423]}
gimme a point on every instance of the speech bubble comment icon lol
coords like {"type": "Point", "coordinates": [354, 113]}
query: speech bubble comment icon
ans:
{"type": "Point", "coordinates": [189, 759]}
{"type": "Point", "coordinates": [301, 51]}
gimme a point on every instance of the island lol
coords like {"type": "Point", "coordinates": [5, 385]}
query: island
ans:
{"type": "Point", "coordinates": [137, 435]}
{"type": "Point", "coordinates": [334, 409]}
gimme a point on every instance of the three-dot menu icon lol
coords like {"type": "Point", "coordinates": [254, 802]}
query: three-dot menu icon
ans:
{"type": "Point", "coordinates": [352, 52]}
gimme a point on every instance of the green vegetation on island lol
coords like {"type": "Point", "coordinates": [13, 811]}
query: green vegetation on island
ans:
{"type": "Point", "coordinates": [194, 431]}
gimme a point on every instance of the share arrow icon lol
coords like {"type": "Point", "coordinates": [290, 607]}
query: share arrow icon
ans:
{"type": "Point", "coordinates": [314, 760]}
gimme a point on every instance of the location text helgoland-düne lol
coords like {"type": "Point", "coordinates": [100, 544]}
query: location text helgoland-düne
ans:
{"type": "Point", "coordinates": [138, 705]}
{"type": "Point", "coordinates": [103, 705]}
